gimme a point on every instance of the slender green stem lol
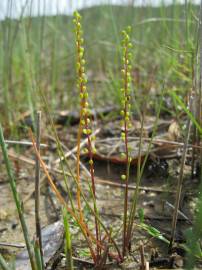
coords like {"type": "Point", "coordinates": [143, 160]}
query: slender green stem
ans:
{"type": "Point", "coordinates": [126, 80]}
{"type": "Point", "coordinates": [180, 180]}
{"type": "Point", "coordinates": [37, 186]}
{"type": "Point", "coordinates": [38, 255]}
{"type": "Point", "coordinates": [59, 148]}
{"type": "Point", "coordinates": [68, 244]}
{"type": "Point", "coordinates": [18, 202]}
{"type": "Point", "coordinates": [140, 170]}
{"type": "Point", "coordinates": [135, 197]}
{"type": "Point", "coordinates": [3, 263]}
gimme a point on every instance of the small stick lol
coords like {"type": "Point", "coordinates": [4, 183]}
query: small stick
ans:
{"type": "Point", "coordinates": [12, 245]}
{"type": "Point", "coordinates": [142, 256]}
{"type": "Point", "coordinates": [147, 265]}
{"type": "Point", "coordinates": [32, 162]}
{"type": "Point", "coordinates": [180, 213]}
{"type": "Point", "coordinates": [24, 143]}
{"type": "Point", "coordinates": [37, 186]}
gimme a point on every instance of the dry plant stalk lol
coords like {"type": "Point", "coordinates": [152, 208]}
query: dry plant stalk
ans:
{"type": "Point", "coordinates": [37, 187]}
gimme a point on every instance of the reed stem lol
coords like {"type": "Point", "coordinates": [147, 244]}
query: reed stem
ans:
{"type": "Point", "coordinates": [37, 187]}
{"type": "Point", "coordinates": [18, 202]}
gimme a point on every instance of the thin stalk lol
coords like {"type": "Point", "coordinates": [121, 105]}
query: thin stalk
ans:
{"type": "Point", "coordinates": [59, 148]}
{"type": "Point", "coordinates": [3, 263]}
{"type": "Point", "coordinates": [28, 71]}
{"type": "Point", "coordinates": [68, 244]}
{"type": "Point", "coordinates": [180, 180]}
{"type": "Point", "coordinates": [38, 255]}
{"type": "Point", "coordinates": [7, 70]}
{"type": "Point", "coordinates": [134, 204]}
{"type": "Point", "coordinates": [18, 202]}
{"type": "Point", "coordinates": [41, 39]}
{"type": "Point", "coordinates": [140, 170]}
{"type": "Point", "coordinates": [197, 92]}
{"type": "Point", "coordinates": [80, 62]}
{"type": "Point", "coordinates": [126, 80]}
{"type": "Point", "coordinates": [37, 186]}
{"type": "Point", "coordinates": [125, 217]}
{"type": "Point", "coordinates": [97, 228]}
{"type": "Point", "coordinates": [200, 86]}
{"type": "Point", "coordinates": [85, 121]}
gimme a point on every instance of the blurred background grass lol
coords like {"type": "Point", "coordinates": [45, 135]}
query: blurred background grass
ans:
{"type": "Point", "coordinates": [39, 52]}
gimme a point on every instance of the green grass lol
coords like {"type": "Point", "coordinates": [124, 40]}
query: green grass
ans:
{"type": "Point", "coordinates": [40, 52]}
{"type": "Point", "coordinates": [18, 203]}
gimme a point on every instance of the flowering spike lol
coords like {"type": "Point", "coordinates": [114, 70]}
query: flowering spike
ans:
{"type": "Point", "coordinates": [85, 121]}
{"type": "Point", "coordinates": [126, 120]}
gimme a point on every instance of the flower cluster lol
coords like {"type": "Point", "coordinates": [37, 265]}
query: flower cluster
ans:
{"type": "Point", "coordinates": [85, 122]}
{"type": "Point", "coordinates": [126, 81]}
{"type": "Point", "coordinates": [125, 92]}
{"type": "Point", "coordinates": [126, 122]}
{"type": "Point", "coordinates": [81, 75]}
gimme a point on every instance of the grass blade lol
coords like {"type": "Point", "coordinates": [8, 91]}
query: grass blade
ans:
{"type": "Point", "coordinates": [18, 203]}
{"type": "Point", "coordinates": [68, 244]}
{"type": "Point", "coordinates": [3, 263]}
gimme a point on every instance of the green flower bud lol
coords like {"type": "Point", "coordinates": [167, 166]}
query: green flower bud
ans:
{"type": "Point", "coordinates": [82, 122]}
{"type": "Point", "coordinates": [91, 162]}
{"type": "Point", "coordinates": [129, 125]}
{"type": "Point", "coordinates": [122, 113]}
{"type": "Point", "coordinates": [85, 150]}
{"type": "Point", "coordinates": [129, 29]}
{"type": "Point", "coordinates": [130, 45]}
{"type": "Point", "coordinates": [89, 131]}
{"type": "Point", "coordinates": [93, 138]}
{"type": "Point", "coordinates": [123, 155]}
